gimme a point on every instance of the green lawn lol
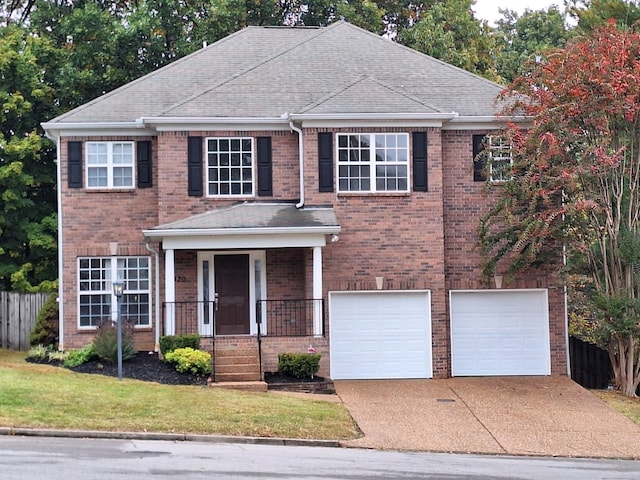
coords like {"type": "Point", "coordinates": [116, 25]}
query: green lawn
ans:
{"type": "Point", "coordinates": [43, 396]}
{"type": "Point", "coordinates": [625, 405]}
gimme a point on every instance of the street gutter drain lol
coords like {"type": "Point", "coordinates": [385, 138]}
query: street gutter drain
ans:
{"type": "Point", "coordinates": [445, 400]}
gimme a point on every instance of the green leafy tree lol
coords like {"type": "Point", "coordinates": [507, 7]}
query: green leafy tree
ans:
{"type": "Point", "coordinates": [449, 31]}
{"type": "Point", "coordinates": [591, 14]}
{"type": "Point", "coordinates": [527, 38]}
{"type": "Point", "coordinates": [28, 220]}
{"type": "Point", "coordinates": [576, 183]}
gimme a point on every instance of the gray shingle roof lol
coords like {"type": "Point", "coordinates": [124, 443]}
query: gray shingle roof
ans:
{"type": "Point", "coordinates": [258, 216]}
{"type": "Point", "coordinates": [270, 71]}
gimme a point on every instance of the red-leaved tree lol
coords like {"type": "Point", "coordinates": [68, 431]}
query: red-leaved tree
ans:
{"type": "Point", "coordinates": [576, 182]}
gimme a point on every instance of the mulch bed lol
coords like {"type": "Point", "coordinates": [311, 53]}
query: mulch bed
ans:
{"type": "Point", "coordinates": [148, 367]}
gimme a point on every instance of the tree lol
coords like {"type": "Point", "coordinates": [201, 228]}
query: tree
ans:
{"type": "Point", "coordinates": [591, 14]}
{"type": "Point", "coordinates": [576, 182]}
{"type": "Point", "coordinates": [523, 39]}
{"type": "Point", "coordinates": [449, 31]}
{"type": "Point", "coordinates": [28, 221]}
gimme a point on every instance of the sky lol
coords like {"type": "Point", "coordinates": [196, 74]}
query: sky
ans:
{"type": "Point", "coordinates": [488, 9]}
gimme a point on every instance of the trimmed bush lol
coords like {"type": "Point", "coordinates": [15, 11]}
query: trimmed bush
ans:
{"type": "Point", "coordinates": [189, 360]}
{"type": "Point", "coordinates": [170, 342]}
{"type": "Point", "coordinates": [105, 343]}
{"type": "Point", "coordinates": [45, 331]}
{"type": "Point", "coordinates": [39, 353]}
{"type": "Point", "coordinates": [75, 358]}
{"type": "Point", "coordinates": [299, 365]}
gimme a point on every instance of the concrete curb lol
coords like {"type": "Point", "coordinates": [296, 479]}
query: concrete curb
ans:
{"type": "Point", "coordinates": [172, 437]}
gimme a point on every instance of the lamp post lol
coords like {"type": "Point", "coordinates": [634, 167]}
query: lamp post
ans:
{"type": "Point", "coordinates": [118, 289]}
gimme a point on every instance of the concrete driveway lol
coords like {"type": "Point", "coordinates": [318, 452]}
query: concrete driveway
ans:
{"type": "Point", "coordinates": [548, 416]}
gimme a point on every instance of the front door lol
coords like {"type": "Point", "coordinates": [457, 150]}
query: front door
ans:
{"type": "Point", "coordinates": [231, 284]}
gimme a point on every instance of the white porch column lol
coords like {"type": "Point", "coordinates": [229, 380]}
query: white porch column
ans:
{"type": "Point", "coordinates": [169, 292]}
{"type": "Point", "coordinates": [317, 291]}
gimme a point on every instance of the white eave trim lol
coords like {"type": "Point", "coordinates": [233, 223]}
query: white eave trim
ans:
{"type": "Point", "coordinates": [210, 232]}
{"type": "Point", "coordinates": [484, 122]}
{"type": "Point", "coordinates": [129, 129]}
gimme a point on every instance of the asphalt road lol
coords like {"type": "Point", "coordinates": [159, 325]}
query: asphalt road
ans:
{"type": "Point", "coordinates": [41, 458]}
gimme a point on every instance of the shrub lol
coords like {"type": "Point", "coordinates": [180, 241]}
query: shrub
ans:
{"type": "Point", "coordinates": [299, 365]}
{"type": "Point", "coordinates": [105, 343]}
{"type": "Point", "coordinates": [189, 360]}
{"type": "Point", "coordinates": [39, 353]}
{"type": "Point", "coordinates": [45, 331]}
{"type": "Point", "coordinates": [75, 358]}
{"type": "Point", "coordinates": [170, 342]}
{"type": "Point", "coordinates": [58, 356]}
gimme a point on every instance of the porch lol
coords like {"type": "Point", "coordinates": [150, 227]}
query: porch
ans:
{"type": "Point", "coordinates": [282, 326]}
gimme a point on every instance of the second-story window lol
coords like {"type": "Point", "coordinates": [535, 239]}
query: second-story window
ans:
{"type": "Point", "coordinates": [500, 158]}
{"type": "Point", "coordinates": [230, 169]}
{"type": "Point", "coordinates": [110, 165]}
{"type": "Point", "coordinates": [375, 162]}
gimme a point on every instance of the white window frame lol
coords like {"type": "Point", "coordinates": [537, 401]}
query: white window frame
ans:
{"type": "Point", "coordinates": [499, 152]}
{"type": "Point", "coordinates": [109, 164]}
{"type": "Point", "coordinates": [373, 162]}
{"type": "Point", "coordinates": [241, 181]}
{"type": "Point", "coordinates": [99, 282]}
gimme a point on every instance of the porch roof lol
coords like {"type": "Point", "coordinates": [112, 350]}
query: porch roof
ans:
{"type": "Point", "coordinates": [249, 225]}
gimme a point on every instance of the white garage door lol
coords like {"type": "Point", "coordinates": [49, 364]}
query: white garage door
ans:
{"type": "Point", "coordinates": [500, 332]}
{"type": "Point", "coordinates": [380, 334]}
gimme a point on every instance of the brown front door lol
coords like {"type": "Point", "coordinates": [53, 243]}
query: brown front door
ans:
{"type": "Point", "coordinates": [232, 289]}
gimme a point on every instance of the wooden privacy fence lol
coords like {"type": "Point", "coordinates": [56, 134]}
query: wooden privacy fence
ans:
{"type": "Point", "coordinates": [18, 313]}
{"type": "Point", "coordinates": [590, 364]}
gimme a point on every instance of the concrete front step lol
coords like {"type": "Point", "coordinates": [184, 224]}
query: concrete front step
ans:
{"type": "Point", "coordinates": [236, 351]}
{"type": "Point", "coordinates": [237, 377]}
{"type": "Point", "coordinates": [252, 367]}
{"type": "Point", "coordinates": [237, 360]}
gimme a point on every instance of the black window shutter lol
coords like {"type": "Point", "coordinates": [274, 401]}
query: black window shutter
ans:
{"type": "Point", "coordinates": [74, 157]}
{"type": "Point", "coordinates": [143, 159]}
{"type": "Point", "coordinates": [325, 161]}
{"type": "Point", "coordinates": [479, 162]}
{"type": "Point", "coordinates": [265, 168]}
{"type": "Point", "coordinates": [194, 166]}
{"type": "Point", "coordinates": [420, 183]}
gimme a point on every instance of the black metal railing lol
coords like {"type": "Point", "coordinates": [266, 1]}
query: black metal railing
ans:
{"type": "Point", "coordinates": [291, 318]}
{"type": "Point", "coordinates": [190, 317]}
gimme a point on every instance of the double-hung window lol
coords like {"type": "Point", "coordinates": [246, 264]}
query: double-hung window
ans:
{"type": "Point", "coordinates": [96, 301]}
{"type": "Point", "coordinates": [110, 165]}
{"type": "Point", "coordinates": [373, 162]}
{"type": "Point", "coordinates": [500, 158]}
{"type": "Point", "coordinates": [230, 167]}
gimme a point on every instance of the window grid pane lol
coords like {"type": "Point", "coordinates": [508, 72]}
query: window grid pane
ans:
{"type": "Point", "coordinates": [230, 166]}
{"type": "Point", "coordinates": [110, 165]}
{"type": "Point", "coordinates": [373, 162]}
{"type": "Point", "coordinates": [96, 300]}
{"type": "Point", "coordinates": [500, 158]}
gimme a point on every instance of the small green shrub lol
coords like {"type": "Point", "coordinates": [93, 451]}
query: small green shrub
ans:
{"type": "Point", "coordinates": [45, 331]}
{"type": "Point", "coordinates": [169, 343]}
{"type": "Point", "coordinates": [189, 360]}
{"type": "Point", "coordinates": [299, 365]}
{"type": "Point", "coordinates": [75, 358]}
{"type": "Point", "coordinates": [105, 343]}
{"type": "Point", "coordinates": [58, 356]}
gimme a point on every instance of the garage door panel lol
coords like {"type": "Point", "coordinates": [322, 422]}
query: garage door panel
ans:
{"type": "Point", "coordinates": [380, 334]}
{"type": "Point", "coordinates": [503, 332]}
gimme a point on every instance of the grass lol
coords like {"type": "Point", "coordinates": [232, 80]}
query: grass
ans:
{"type": "Point", "coordinates": [44, 396]}
{"type": "Point", "coordinates": [623, 404]}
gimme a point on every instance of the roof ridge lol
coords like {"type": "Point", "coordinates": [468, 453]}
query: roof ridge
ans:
{"type": "Point", "coordinates": [153, 73]}
{"type": "Point", "coordinates": [321, 31]}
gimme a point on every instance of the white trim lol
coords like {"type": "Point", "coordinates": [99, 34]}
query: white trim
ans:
{"type": "Point", "coordinates": [169, 291]}
{"type": "Point", "coordinates": [110, 165]}
{"type": "Point", "coordinates": [202, 242]}
{"type": "Point", "coordinates": [60, 248]}
{"type": "Point", "coordinates": [227, 232]}
{"type": "Point", "coordinates": [182, 124]}
{"type": "Point", "coordinates": [253, 256]}
{"type": "Point", "coordinates": [317, 291]}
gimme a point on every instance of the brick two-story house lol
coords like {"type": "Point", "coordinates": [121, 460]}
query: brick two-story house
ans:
{"type": "Point", "coordinates": [307, 186]}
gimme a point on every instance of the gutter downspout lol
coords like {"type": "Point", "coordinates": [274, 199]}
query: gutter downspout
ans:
{"type": "Point", "coordinates": [300, 204]}
{"type": "Point", "coordinates": [157, 294]}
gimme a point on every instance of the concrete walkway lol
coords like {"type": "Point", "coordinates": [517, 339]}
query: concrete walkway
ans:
{"type": "Point", "coordinates": [549, 416]}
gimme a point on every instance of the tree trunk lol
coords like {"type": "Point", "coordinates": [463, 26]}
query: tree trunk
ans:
{"type": "Point", "coordinates": [623, 358]}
